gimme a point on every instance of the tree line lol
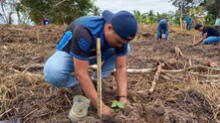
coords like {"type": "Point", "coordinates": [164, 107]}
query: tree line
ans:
{"type": "Point", "coordinates": [58, 11]}
{"type": "Point", "coordinates": [201, 11]}
{"type": "Point", "coordinates": [65, 11]}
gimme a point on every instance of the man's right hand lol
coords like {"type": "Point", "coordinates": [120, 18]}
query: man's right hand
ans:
{"type": "Point", "coordinates": [106, 110]}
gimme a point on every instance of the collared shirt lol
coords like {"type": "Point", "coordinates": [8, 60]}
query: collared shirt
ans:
{"type": "Point", "coordinates": [80, 38]}
{"type": "Point", "coordinates": [211, 31]}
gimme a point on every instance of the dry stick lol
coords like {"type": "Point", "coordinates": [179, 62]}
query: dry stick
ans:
{"type": "Point", "coordinates": [213, 81]}
{"type": "Point", "coordinates": [1, 115]}
{"type": "Point", "coordinates": [150, 70]}
{"type": "Point", "coordinates": [146, 70]}
{"type": "Point", "coordinates": [30, 113]}
{"type": "Point", "coordinates": [99, 78]}
{"type": "Point", "coordinates": [201, 75]}
{"type": "Point", "coordinates": [178, 52]}
{"type": "Point", "coordinates": [156, 77]}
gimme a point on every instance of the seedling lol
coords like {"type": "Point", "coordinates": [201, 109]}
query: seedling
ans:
{"type": "Point", "coordinates": [117, 106]}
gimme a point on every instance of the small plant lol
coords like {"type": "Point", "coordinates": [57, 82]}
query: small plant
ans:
{"type": "Point", "coordinates": [117, 106]}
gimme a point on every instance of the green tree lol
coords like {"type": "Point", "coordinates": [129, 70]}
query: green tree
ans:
{"type": "Point", "coordinates": [58, 11]}
{"type": "Point", "coordinates": [151, 17]}
{"type": "Point", "coordinates": [95, 11]}
{"type": "Point", "coordinates": [197, 14]}
{"type": "Point", "coordinates": [138, 16]}
{"type": "Point", "coordinates": [212, 6]}
{"type": "Point", "coordinates": [185, 5]}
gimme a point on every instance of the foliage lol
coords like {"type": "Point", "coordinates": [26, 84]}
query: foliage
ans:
{"type": "Point", "coordinates": [198, 9]}
{"type": "Point", "coordinates": [210, 19]}
{"type": "Point", "coordinates": [185, 5]}
{"type": "Point", "coordinates": [212, 6]}
{"type": "Point", "coordinates": [58, 11]}
{"type": "Point", "coordinates": [140, 17]}
{"type": "Point", "coordinates": [197, 14]}
{"type": "Point", "coordinates": [8, 9]}
{"type": "Point", "coordinates": [117, 106]}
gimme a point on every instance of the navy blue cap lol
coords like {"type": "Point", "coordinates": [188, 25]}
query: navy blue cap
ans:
{"type": "Point", "coordinates": [123, 22]}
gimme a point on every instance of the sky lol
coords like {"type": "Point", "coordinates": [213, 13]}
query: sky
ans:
{"type": "Point", "coordinates": [161, 6]}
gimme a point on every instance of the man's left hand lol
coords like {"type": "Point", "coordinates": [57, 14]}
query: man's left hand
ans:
{"type": "Point", "coordinates": [124, 100]}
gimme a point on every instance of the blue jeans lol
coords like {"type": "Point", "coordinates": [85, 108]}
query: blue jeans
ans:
{"type": "Point", "coordinates": [212, 40]}
{"type": "Point", "coordinates": [59, 67]}
{"type": "Point", "coordinates": [188, 26]}
{"type": "Point", "coordinates": [162, 28]}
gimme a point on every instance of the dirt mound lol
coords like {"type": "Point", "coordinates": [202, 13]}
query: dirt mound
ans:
{"type": "Point", "coordinates": [193, 105]}
{"type": "Point", "coordinates": [187, 107]}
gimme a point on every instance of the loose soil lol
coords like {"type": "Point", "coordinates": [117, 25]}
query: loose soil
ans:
{"type": "Point", "coordinates": [183, 98]}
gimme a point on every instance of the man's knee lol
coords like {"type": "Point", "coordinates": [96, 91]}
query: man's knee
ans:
{"type": "Point", "coordinates": [55, 77]}
{"type": "Point", "coordinates": [210, 40]}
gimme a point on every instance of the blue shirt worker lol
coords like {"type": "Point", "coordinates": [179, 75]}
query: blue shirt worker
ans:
{"type": "Point", "coordinates": [76, 51]}
{"type": "Point", "coordinates": [217, 22]}
{"type": "Point", "coordinates": [210, 35]}
{"type": "Point", "coordinates": [45, 21]}
{"type": "Point", "coordinates": [162, 28]}
{"type": "Point", "coordinates": [188, 23]}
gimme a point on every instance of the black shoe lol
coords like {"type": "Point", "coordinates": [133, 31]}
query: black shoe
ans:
{"type": "Point", "coordinates": [94, 83]}
{"type": "Point", "coordinates": [76, 90]}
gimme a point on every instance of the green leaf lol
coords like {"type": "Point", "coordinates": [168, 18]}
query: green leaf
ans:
{"type": "Point", "coordinates": [114, 103]}
{"type": "Point", "coordinates": [121, 105]}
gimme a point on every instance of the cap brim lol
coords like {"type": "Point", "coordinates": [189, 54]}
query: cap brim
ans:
{"type": "Point", "coordinates": [107, 15]}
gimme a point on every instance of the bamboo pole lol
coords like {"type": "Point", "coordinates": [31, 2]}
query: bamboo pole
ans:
{"type": "Point", "coordinates": [99, 78]}
{"type": "Point", "coordinates": [194, 36]}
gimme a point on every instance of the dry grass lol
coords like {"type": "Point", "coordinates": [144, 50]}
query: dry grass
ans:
{"type": "Point", "coordinates": [212, 93]}
{"type": "Point", "coordinates": [24, 92]}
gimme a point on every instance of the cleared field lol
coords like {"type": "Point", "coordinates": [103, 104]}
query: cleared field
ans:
{"type": "Point", "coordinates": [188, 88]}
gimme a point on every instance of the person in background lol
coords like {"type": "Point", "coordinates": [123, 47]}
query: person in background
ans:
{"type": "Point", "coordinates": [188, 23]}
{"type": "Point", "coordinates": [45, 21]}
{"type": "Point", "coordinates": [210, 35]}
{"type": "Point", "coordinates": [217, 22]}
{"type": "Point", "coordinates": [162, 28]}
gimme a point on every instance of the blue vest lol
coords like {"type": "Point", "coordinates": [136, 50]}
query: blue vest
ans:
{"type": "Point", "coordinates": [95, 24]}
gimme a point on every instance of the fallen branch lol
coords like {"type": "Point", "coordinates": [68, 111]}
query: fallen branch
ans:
{"type": "Point", "coordinates": [207, 76]}
{"type": "Point", "coordinates": [178, 52]}
{"type": "Point", "coordinates": [156, 77]}
{"type": "Point", "coordinates": [169, 77]}
{"type": "Point", "coordinates": [213, 81]}
{"type": "Point", "coordinates": [151, 70]}
{"type": "Point", "coordinates": [212, 64]}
